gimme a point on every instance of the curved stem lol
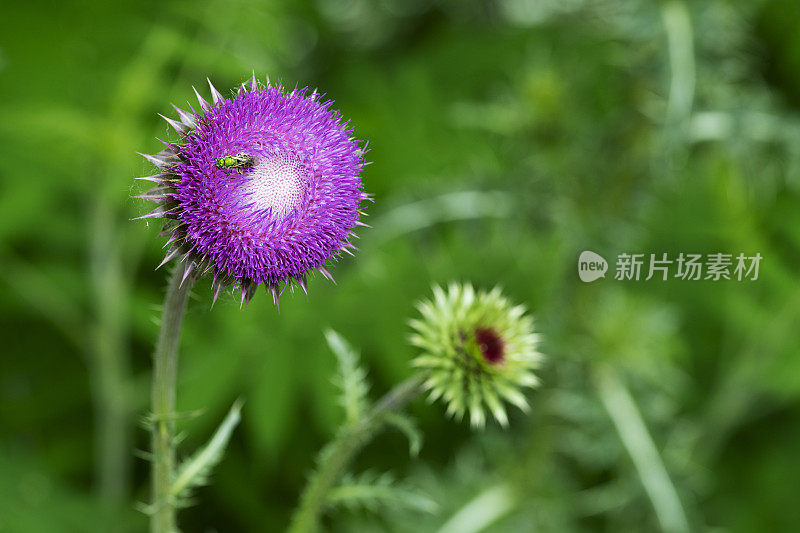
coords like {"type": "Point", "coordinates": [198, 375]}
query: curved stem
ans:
{"type": "Point", "coordinates": [643, 452]}
{"type": "Point", "coordinates": [165, 366]}
{"type": "Point", "coordinates": [482, 511]}
{"type": "Point", "coordinates": [338, 454]}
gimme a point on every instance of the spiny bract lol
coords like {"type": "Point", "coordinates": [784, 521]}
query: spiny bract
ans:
{"type": "Point", "coordinates": [478, 349]}
{"type": "Point", "coordinates": [286, 212]}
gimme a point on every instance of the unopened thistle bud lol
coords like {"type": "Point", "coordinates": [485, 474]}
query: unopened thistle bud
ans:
{"type": "Point", "coordinates": [478, 349]}
{"type": "Point", "coordinates": [263, 188]}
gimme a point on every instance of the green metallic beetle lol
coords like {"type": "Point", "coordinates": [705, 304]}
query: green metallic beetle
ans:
{"type": "Point", "coordinates": [239, 161]}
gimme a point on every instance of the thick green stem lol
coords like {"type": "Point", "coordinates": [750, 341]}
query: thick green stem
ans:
{"type": "Point", "coordinates": [165, 363]}
{"type": "Point", "coordinates": [338, 454]}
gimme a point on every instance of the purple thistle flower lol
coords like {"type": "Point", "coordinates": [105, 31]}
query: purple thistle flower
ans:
{"type": "Point", "coordinates": [264, 188]}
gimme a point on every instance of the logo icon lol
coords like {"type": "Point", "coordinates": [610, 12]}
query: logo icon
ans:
{"type": "Point", "coordinates": [591, 266]}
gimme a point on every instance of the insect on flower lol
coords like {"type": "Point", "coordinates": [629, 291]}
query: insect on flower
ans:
{"type": "Point", "coordinates": [290, 209]}
{"type": "Point", "coordinates": [239, 161]}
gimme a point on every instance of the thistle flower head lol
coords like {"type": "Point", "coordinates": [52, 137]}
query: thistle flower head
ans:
{"type": "Point", "coordinates": [262, 188]}
{"type": "Point", "coordinates": [478, 349]}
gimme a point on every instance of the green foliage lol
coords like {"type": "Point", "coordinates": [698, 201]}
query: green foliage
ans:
{"type": "Point", "coordinates": [408, 426]}
{"type": "Point", "coordinates": [33, 499]}
{"type": "Point", "coordinates": [506, 137]}
{"type": "Point", "coordinates": [378, 492]}
{"type": "Point", "coordinates": [351, 378]}
{"type": "Point", "coordinates": [196, 470]}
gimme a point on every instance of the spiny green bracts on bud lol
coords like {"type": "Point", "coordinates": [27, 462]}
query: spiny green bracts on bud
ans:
{"type": "Point", "coordinates": [478, 349]}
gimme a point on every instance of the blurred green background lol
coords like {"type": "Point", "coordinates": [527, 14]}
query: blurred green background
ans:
{"type": "Point", "coordinates": [506, 137]}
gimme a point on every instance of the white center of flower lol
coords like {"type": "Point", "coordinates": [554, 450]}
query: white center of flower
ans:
{"type": "Point", "coordinates": [276, 183]}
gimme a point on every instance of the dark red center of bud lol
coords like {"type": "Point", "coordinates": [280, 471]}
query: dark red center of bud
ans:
{"type": "Point", "coordinates": [490, 344]}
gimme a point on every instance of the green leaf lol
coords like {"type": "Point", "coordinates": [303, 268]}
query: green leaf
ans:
{"type": "Point", "coordinates": [351, 380]}
{"type": "Point", "coordinates": [372, 492]}
{"type": "Point", "coordinates": [196, 470]}
{"type": "Point", "coordinates": [408, 426]}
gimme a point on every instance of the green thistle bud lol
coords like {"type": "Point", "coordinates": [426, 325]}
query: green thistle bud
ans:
{"type": "Point", "coordinates": [478, 349]}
